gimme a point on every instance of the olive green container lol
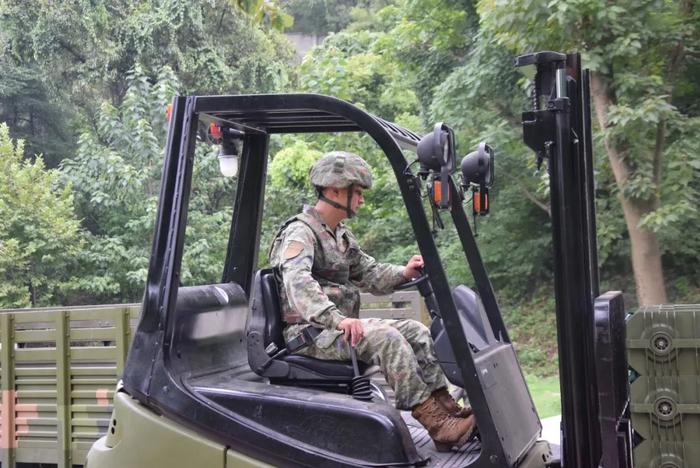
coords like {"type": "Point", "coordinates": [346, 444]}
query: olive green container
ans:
{"type": "Point", "coordinates": [663, 351]}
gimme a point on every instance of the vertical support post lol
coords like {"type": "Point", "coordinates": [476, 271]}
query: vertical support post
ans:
{"type": "Point", "coordinates": [242, 250]}
{"type": "Point", "coordinates": [585, 96]}
{"type": "Point", "coordinates": [63, 390]}
{"type": "Point", "coordinates": [122, 324]}
{"type": "Point", "coordinates": [581, 444]}
{"type": "Point", "coordinates": [8, 441]}
{"type": "Point", "coordinates": [560, 134]}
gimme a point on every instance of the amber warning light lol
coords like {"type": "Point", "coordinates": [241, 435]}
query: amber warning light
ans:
{"type": "Point", "coordinates": [480, 202]}
{"type": "Point", "coordinates": [437, 193]}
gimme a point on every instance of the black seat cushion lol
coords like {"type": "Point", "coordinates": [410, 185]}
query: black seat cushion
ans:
{"type": "Point", "coordinates": [337, 369]}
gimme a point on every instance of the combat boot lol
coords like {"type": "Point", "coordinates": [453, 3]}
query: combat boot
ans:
{"type": "Point", "coordinates": [445, 430]}
{"type": "Point", "coordinates": [451, 406]}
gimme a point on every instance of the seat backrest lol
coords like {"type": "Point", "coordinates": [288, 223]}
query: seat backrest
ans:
{"type": "Point", "coordinates": [273, 312]}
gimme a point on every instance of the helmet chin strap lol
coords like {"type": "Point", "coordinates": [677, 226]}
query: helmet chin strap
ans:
{"type": "Point", "coordinates": [347, 208]}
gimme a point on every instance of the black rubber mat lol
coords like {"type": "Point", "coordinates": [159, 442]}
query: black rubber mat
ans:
{"type": "Point", "coordinates": [456, 458]}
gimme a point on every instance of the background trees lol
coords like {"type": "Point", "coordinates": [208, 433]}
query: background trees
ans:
{"type": "Point", "coordinates": [39, 233]}
{"type": "Point", "coordinates": [455, 60]}
{"type": "Point", "coordinates": [643, 56]}
{"type": "Point", "coordinates": [68, 58]}
{"type": "Point", "coordinates": [85, 84]}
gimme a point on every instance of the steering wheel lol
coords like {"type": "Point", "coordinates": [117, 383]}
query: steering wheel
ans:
{"type": "Point", "coordinates": [414, 282]}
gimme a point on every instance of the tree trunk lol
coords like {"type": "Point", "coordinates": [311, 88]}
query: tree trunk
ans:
{"type": "Point", "coordinates": [646, 255]}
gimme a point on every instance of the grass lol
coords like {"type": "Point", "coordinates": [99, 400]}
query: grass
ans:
{"type": "Point", "coordinates": [545, 393]}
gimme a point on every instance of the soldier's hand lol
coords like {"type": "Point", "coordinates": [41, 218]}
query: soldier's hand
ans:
{"type": "Point", "coordinates": [352, 328]}
{"type": "Point", "coordinates": [413, 267]}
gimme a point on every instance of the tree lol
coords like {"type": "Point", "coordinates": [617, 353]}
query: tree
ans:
{"type": "Point", "coordinates": [39, 233]}
{"type": "Point", "coordinates": [319, 17]}
{"type": "Point", "coordinates": [26, 107]}
{"type": "Point", "coordinates": [640, 54]}
{"type": "Point", "coordinates": [111, 67]}
{"type": "Point", "coordinates": [115, 176]}
{"type": "Point", "coordinates": [70, 56]}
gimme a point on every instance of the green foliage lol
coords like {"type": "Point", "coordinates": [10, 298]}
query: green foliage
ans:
{"type": "Point", "coordinates": [642, 56]}
{"type": "Point", "coordinates": [290, 167]}
{"type": "Point", "coordinates": [115, 175]}
{"type": "Point", "coordinates": [264, 12]}
{"type": "Point", "coordinates": [39, 233]}
{"type": "Point", "coordinates": [72, 56]}
{"type": "Point", "coordinates": [319, 17]}
{"type": "Point", "coordinates": [414, 62]}
{"type": "Point", "coordinates": [393, 68]}
{"type": "Point", "coordinates": [111, 68]}
{"type": "Point", "coordinates": [545, 393]}
{"type": "Point", "coordinates": [26, 108]}
{"type": "Point", "coordinates": [350, 66]}
{"type": "Point", "coordinates": [532, 327]}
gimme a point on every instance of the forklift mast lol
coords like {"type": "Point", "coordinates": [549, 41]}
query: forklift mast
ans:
{"type": "Point", "coordinates": [590, 329]}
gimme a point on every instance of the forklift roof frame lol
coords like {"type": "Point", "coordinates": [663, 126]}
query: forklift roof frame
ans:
{"type": "Point", "coordinates": [149, 373]}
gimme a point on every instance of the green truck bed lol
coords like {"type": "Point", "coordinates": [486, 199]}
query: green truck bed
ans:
{"type": "Point", "coordinates": [58, 371]}
{"type": "Point", "coordinates": [59, 368]}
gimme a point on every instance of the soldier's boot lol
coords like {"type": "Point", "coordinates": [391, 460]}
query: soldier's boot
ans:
{"type": "Point", "coordinates": [445, 430]}
{"type": "Point", "coordinates": [451, 406]}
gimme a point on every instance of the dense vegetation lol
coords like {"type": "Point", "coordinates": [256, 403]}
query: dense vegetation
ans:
{"type": "Point", "coordinates": [85, 85]}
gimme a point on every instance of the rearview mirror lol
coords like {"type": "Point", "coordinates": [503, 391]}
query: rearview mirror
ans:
{"type": "Point", "coordinates": [436, 154]}
{"type": "Point", "coordinates": [478, 166]}
{"type": "Point", "coordinates": [436, 150]}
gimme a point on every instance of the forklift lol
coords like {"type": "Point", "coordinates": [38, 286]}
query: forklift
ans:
{"type": "Point", "coordinates": [210, 382]}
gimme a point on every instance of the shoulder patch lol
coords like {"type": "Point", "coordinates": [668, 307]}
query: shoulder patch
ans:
{"type": "Point", "coordinates": [293, 249]}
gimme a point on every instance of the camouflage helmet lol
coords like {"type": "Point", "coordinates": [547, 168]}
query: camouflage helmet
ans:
{"type": "Point", "coordinates": [341, 169]}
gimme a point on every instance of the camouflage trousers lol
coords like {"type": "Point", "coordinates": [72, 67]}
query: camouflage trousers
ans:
{"type": "Point", "coordinates": [404, 351]}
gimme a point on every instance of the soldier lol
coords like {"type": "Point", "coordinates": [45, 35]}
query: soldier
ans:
{"type": "Point", "coordinates": [321, 270]}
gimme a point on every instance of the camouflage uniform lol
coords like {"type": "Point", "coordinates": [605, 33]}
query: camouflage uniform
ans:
{"type": "Point", "coordinates": [321, 273]}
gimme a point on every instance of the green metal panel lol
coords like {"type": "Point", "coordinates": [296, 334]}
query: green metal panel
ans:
{"type": "Point", "coordinates": [100, 373]}
{"type": "Point", "coordinates": [33, 316]}
{"type": "Point", "coordinates": [54, 363]}
{"type": "Point", "coordinates": [663, 348]}
{"type": "Point", "coordinates": [63, 400]}
{"type": "Point", "coordinates": [92, 334]}
{"type": "Point", "coordinates": [139, 438]}
{"type": "Point", "coordinates": [94, 353]}
{"type": "Point", "coordinates": [34, 336]}
{"type": "Point", "coordinates": [31, 355]}
{"type": "Point", "coordinates": [49, 372]}
{"type": "Point", "coordinates": [101, 312]}
{"type": "Point", "coordinates": [667, 454]}
{"type": "Point", "coordinates": [123, 337]}
{"type": "Point", "coordinates": [7, 367]}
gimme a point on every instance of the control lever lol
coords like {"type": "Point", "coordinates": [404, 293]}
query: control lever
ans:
{"type": "Point", "coordinates": [360, 386]}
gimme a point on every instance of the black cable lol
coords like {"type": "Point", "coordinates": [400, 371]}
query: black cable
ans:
{"type": "Point", "coordinates": [407, 171]}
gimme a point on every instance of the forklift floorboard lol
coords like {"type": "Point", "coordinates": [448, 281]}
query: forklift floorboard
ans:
{"type": "Point", "coordinates": [456, 458]}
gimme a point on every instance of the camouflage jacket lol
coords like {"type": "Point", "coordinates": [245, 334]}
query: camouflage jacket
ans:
{"type": "Point", "coordinates": [321, 273]}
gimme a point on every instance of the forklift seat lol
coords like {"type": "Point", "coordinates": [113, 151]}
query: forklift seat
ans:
{"type": "Point", "coordinates": [268, 353]}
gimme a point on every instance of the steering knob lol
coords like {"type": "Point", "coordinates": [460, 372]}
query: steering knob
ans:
{"type": "Point", "coordinates": [414, 282]}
